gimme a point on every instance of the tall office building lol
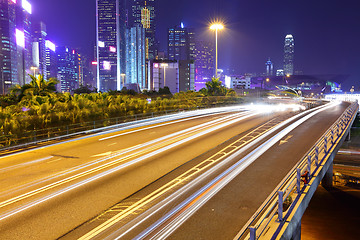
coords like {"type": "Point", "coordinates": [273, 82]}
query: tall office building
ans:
{"type": "Point", "coordinates": [24, 37]}
{"type": "Point", "coordinates": [110, 47]}
{"type": "Point", "coordinates": [289, 55]}
{"type": "Point", "coordinates": [204, 63]}
{"type": "Point", "coordinates": [181, 43]}
{"type": "Point", "coordinates": [135, 49]}
{"type": "Point", "coordinates": [39, 48]}
{"type": "Point", "coordinates": [144, 12]}
{"type": "Point", "coordinates": [68, 73]}
{"type": "Point", "coordinates": [269, 68]}
{"type": "Point", "coordinates": [8, 46]}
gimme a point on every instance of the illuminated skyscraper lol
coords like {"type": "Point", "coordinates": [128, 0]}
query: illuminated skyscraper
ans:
{"type": "Point", "coordinates": [39, 48]}
{"type": "Point", "coordinates": [110, 23]}
{"type": "Point", "coordinates": [181, 43]}
{"type": "Point", "coordinates": [51, 60]}
{"type": "Point", "coordinates": [269, 68]}
{"type": "Point", "coordinates": [204, 63]}
{"type": "Point", "coordinates": [16, 43]}
{"type": "Point", "coordinates": [8, 47]}
{"type": "Point", "coordinates": [23, 24]}
{"type": "Point", "coordinates": [69, 69]}
{"type": "Point", "coordinates": [289, 55]}
{"type": "Point", "coordinates": [144, 12]}
{"type": "Point", "coordinates": [135, 58]}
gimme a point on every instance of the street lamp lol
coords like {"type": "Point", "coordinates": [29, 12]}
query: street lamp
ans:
{"type": "Point", "coordinates": [164, 65]}
{"type": "Point", "coordinates": [123, 75]}
{"type": "Point", "coordinates": [216, 27]}
{"type": "Point", "coordinates": [34, 69]}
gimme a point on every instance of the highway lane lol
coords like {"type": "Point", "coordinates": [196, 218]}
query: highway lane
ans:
{"type": "Point", "coordinates": [51, 160]}
{"type": "Point", "coordinates": [67, 215]}
{"type": "Point", "coordinates": [216, 220]}
{"type": "Point", "coordinates": [141, 197]}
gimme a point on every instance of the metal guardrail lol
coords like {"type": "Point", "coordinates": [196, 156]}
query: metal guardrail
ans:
{"type": "Point", "coordinates": [280, 201]}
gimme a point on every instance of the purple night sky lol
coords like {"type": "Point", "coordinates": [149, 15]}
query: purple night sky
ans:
{"type": "Point", "coordinates": [326, 32]}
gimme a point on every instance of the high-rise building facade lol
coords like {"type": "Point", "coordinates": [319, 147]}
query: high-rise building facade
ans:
{"type": "Point", "coordinates": [8, 46]}
{"type": "Point", "coordinates": [289, 55]}
{"type": "Point", "coordinates": [51, 60]}
{"type": "Point", "coordinates": [181, 43]}
{"type": "Point", "coordinates": [24, 37]}
{"type": "Point", "coordinates": [269, 68]}
{"type": "Point", "coordinates": [68, 71]}
{"type": "Point", "coordinates": [16, 43]}
{"type": "Point", "coordinates": [135, 58]}
{"type": "Point", "coordinates": [110, 23]}
{"type": "Point", "coordinates": [39, 48]}
{"type": "Point", "coordinates": [144, 12]}
{"type": "Point", "coordinates": [204, 63]}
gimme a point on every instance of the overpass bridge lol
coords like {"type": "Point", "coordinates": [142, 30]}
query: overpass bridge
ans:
{"type": "Point", "coordinates": [226, 173]}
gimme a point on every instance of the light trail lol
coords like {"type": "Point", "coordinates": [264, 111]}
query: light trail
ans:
{"type": "Point", "coordinates": [159, 141]}
{"type": "Point", "coordinates": [91, 179]}
{"type": "Point", "coordinates": [190, 206]}
{"type": "Point", "coordinates": [142, 123]}
{"type": "Point", "coordinates": [170, 199]}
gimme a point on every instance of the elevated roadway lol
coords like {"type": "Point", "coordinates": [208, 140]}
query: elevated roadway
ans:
{"type": "Point", "coordinates": [201, 176]}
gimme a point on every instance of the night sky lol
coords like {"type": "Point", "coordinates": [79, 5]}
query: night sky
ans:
{"type": "Point", "coordinates": [327, 33]}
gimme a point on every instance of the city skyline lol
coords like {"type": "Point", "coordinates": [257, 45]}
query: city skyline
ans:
{"type": "Point", "coordinates": [319, 32]}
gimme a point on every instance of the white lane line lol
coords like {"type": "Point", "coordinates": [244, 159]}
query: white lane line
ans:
{"type": "Point", "coordinates": [198, 199]}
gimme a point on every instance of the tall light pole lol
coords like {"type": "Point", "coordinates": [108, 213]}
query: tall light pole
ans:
{"type": "Point", "coordinates": [216, 27]}
{"type": "Point", "coordinates": [34, 69]}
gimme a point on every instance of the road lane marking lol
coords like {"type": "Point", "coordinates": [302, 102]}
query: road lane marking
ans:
{"type": "Point", "coordinates": [285, 140]}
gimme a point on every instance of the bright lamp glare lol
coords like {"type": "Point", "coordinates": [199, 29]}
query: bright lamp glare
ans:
{"type": "Point", "coordinates": [217, 26]}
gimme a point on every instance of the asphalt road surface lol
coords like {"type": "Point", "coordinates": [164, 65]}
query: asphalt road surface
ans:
{"type": "Point", "coordinates": [50, 192]}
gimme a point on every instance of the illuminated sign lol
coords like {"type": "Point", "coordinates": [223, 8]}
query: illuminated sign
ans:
{"type": "Point", "coordinates": [101, 44]}
{"type": "Point", "coordinates": [112, 49]}
{"type": "Point", "coordinates": [107, 65]}
{"type": "Point", "coordinates": [156, 65]}
{"type": "Point", "coordinates": [50, 45]}
{"type": "Point", "coordinates": [20, 38]}
{"type": "Point", "coordinates": [27, 6]}
{"type": "Point", "coordinates": [14, 1]}
{"type": "Point", "coordinates": [94, 62]}
{"type": "Point", "coordinates": [182, 25]}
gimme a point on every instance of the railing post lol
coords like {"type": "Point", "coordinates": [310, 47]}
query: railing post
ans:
{"type": "Point", "coordinates": [94, 124]}
{"type": "Point", "coordinates": [309, 164]}
{"type": "Point", "coordinates": [298, 179]}
{"type": "Point", "coordinates": [332, 137]}
{"type": "Point", "coordinates": [280, 206]}
{"type": "Point", "coordinates": [338, 129]}
{"type": "Point", "coordinates": [252, 233]}
{"type": "Point", "coordinates": [67, 129]}
{"type": "Point", "coordinates": [317, 156]}
{"type": "Point", "coordinates": [325, 144]}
